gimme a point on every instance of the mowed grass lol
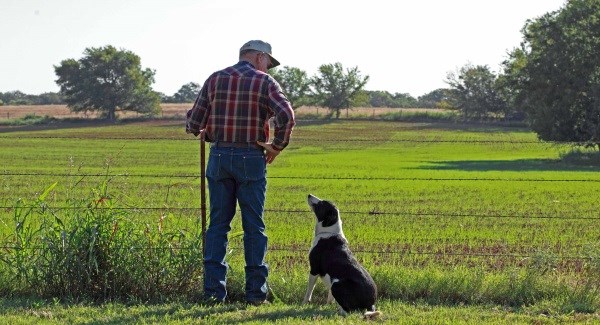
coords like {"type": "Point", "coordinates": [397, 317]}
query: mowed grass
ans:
{"type": "Point", "coordinates": [431, 202]}
{"type": "Point", "coordinates": [396, 312]}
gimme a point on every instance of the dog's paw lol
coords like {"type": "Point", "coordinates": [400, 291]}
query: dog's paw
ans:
{"type": "Point", "coordinates": [371, 315]}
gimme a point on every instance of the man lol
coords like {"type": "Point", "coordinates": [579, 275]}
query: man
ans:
{"type": "Point", "coordinates": [234, 107]}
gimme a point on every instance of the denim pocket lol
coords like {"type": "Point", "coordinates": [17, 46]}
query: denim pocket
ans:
{"type": "Point", "coordinates": [255, 167]}
{"type": "Point", "coordinates": [213, 167]}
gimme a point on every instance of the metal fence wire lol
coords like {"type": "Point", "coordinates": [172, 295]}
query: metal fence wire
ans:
{"type": "Point", "coordinates": [402, 214]}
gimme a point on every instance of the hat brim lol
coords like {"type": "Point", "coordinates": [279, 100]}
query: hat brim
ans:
{"type": "Point", "coordinates": [274, 62]}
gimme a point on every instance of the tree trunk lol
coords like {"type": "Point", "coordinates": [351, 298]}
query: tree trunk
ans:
{"type": "Point", "coordinates": [111, 114]}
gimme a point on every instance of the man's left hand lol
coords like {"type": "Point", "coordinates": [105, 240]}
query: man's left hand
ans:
{"type": "Point", "coordinates": [271, 153]}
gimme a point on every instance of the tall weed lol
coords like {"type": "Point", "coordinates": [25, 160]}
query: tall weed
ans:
{"type": "Point", "coordinates": [94, 251]}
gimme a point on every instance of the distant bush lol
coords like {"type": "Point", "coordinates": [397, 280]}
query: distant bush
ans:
{"type": "Point", "coordinates": [20, 98]}
{"type": "Point", "coordinates": [29, 119]}
{"type": "Point", "coordinates": [420, 116]}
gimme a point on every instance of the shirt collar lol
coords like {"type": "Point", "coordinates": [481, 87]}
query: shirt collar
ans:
{"type": "Point", "coordinates": [244, 62]}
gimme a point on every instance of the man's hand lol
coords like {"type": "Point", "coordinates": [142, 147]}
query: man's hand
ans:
{"type": "Point", "coordinates": [271, 152]}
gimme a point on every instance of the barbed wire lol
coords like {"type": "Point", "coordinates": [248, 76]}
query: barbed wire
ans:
{"type": "Point", "coordinates": [363, 213]}
{"type": "Point", "coordinates": [370, 213]}
{"type": "Point", "coordinates": [299, 139]}
{"type": "Point", "coordinates": [298, 250]}
{"type": "Point", "coordinates": [442, 179]}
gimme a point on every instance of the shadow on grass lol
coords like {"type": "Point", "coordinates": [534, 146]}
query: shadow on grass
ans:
{"type": "Point", "coordinates": [59, 124]}
{"type": "Point", "coordinates": [473, 127]}
{"type": "Point", "coordinates": [303, 314]}
{"type": "Point", "coordinates": [119, 313]}
{"type": "Point", "coordinates": [574, 165]}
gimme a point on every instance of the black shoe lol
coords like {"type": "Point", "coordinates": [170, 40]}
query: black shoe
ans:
{"type": "Point", "coordinates": [211, 301]}
{"type": "Point", "coordinates": [258, 302]}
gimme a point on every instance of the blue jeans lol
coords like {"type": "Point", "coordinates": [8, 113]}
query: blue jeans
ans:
{"type": "Point", "coordinates": [236, 174]}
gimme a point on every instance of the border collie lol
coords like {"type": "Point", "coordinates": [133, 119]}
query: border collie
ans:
{"type": "Point", "coordinates": [331, 259]}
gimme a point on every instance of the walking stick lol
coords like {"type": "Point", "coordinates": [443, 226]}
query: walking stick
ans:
{"type": "Point", "coordinates": [203, 189]}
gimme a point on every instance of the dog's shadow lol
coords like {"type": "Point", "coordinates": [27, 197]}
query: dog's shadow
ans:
{"type": "Point", "coordinates": [302, 313]}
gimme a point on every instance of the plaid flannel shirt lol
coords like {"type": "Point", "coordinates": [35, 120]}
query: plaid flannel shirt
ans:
{"type": "Point", "coordinates": [235, 105]}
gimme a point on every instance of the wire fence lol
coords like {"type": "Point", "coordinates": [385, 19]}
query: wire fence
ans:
{"type": "Point", "coordinates": [399, 252]}
{"type": "Point", "coordinates": [298, 139]}
{"type": "Point", "coordinates": [403, 214]}
{"type": "Point", "coordinates": [438, 179]}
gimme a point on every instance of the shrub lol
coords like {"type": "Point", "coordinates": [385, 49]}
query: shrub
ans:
{"type": "Point", "coordinates": [92, 251]}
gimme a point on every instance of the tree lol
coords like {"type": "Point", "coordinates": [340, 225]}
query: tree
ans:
{"type": "Point", "coordinates": [49, 98]}
{"type": "Point", "coordinates": [361, 99]}
{"type": "Point", "coordinates": [335, 88]}
{"type": "Point", "coordinates": [16, 98]}
{"type": "Point", "coordinates": [474, 91]}
{"type": "Point", "coordinates": [380, 98]}
{"type": "Point", "coordinates": [435, 99]}
{"type": "Point", "coordinates": [404, 100]}
{"type": "Point", "coordinates": [107, 80]}
{"type": "Point", "coordinates": [511, 81]}
{"type": "Point", "coordinates": [187, 93]}
{"type": "Point", "coordinates": [555, 74]}
{"type": "Point", "coordinates": [295, 84]}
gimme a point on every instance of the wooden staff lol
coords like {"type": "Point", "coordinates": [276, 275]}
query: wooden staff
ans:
{"type": "Point", "coordinates": [203, 188]}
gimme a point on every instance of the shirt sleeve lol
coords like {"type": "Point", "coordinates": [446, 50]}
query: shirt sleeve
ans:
{"type": "Point", "coordinates": [283, 118]}
{"type": "Point", "coordinates": [198, 115]}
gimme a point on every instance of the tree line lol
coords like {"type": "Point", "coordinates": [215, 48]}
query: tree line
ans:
{"type": "Point", "coordinates": [19, 98]}
{"type": "Point", "coordinates": [551, 80]}
{"type": "Point", "coordinates": [188, 92]}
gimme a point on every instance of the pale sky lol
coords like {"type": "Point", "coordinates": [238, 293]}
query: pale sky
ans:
{"type": "Point", "coordinates": [405, 46]}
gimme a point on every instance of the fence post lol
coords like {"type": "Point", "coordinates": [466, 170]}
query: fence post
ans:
{"type": "Point", "coordinates": [203, 188]}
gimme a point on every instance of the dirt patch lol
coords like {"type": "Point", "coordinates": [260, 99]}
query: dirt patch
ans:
{"type": "Point", "coordinates": [62, 112]}
{"type": "Point", "coordinates": [179, 110]}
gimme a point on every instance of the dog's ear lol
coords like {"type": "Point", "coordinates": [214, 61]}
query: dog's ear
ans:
{"type": "Point", "coordinates": [327, 213]}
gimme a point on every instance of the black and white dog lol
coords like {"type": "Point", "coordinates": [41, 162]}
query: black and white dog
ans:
{"type": "Point", "coordinates": [331, 259]}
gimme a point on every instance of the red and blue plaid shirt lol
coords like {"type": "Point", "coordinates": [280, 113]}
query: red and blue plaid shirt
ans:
{"type": "Point", "coordinates": [235, 105]}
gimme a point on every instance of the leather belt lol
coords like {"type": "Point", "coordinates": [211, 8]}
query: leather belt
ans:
{"type": "Point", "coordinates": [236, 145]}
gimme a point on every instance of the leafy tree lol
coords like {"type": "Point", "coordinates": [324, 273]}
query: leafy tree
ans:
{"type": "Point", "coordinates": [295, 84]}
{"type": "Point", "coordinates": [164, 98]}
{"type": "Point", "coordinates": [380, 98]}
{"type": "Point", "coordinates": [555, 74]}
{"type": "Point", "coordinates": [474, 92]}
{"type": "Point", "coordinates": [107, 80]}
{"type": "Point", "coordinates": [511, 81]}
{"type": "Point", "coordinates": [16, 98]}
{"type": "Point", "coordinates": [404, 100]}
{"type": "Point", "coordinates": [49, 98]}
{"type": "Point", "coordinates": [361, 99]}
{"type": "Point", "coordinates": [19, 98]}
{"type": "Point", "coordinates": [435, 99]}
{"type": "Point", "coordinates": [187, 93]}
{"type": "Point", "coordinates": [336, 88]}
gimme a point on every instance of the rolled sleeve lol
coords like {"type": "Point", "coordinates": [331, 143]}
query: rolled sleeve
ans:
{"type": "Point", "coordinates": [283, 119]}
{"type": "Point", "coordinates": [197, 116]}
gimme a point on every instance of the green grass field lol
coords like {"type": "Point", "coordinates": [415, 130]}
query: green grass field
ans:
{"type": "Point", "coordinates": [468, 222]}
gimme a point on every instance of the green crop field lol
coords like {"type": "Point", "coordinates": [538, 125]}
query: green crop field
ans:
{"type": "Point", "coordinates": [440, 214]}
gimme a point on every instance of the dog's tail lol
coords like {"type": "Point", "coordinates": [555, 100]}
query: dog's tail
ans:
{"type": "Point", "coordinates": [372, 314]}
